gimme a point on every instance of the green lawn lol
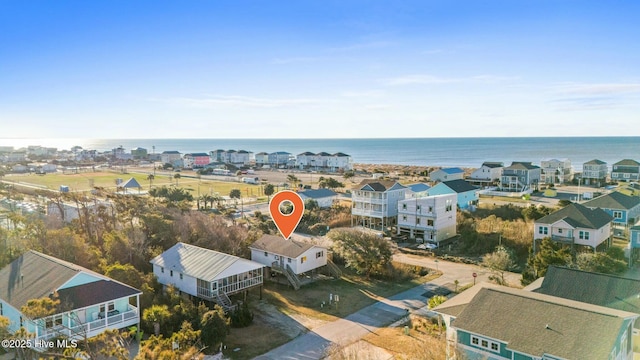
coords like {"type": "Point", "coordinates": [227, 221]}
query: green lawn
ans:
{"type": "Point", "coordinates": [85, 181]}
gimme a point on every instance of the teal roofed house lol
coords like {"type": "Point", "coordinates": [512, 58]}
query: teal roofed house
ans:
{"type": "Point", "coordinates": [498, 323]}
{"type": "Point", "coordinates": [623, 208]}
{"type": "Point", "coordinates": [90, 303]}
{"type": "Point", "coordinates": [467, 194]}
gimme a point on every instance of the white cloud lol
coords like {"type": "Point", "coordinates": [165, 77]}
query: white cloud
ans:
{"type": "Point", "coordinates": [423, 79]}
{"type": "Point", "coordinates": [598, 89]}
{"type": "Point", "coordinates": [238, 101]}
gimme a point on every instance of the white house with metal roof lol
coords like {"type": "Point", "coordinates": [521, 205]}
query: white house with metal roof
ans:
{"type": "Point", "coordinates": [206, 274]}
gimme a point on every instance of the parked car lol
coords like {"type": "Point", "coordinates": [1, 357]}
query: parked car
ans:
{"type": "Point", "coordinates": [428, 246]}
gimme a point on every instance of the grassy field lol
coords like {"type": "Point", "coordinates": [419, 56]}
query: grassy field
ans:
{"type": "Point", "coordinates": [86, 181]}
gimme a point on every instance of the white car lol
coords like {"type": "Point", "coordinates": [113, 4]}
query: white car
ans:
{"type": "Point", "coordinates": [428, 246]}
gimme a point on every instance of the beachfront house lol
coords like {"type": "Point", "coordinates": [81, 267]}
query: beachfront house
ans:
{"type": "Point", "coordinates": [431, 218]}
{"type": "Point", "coordinates": [324, 197]}
{"type": "Point", "coordinates": [262, 159]}
{"type": "Point", "coordinates": [615, 292]}
{"type": "Point", "coordinates": [195, 160]}
{"type": "Point", "coordinates": [625, 170]}
{"type": "Point", "coordinates": [466, 194]}
{"type": "Point", "coordinates": [623, 208]}
{"type": "Point", "coordinates": [487, 174]}
{"type": "Point", "coordinates": [171, 157]}
{"type": "Point", "coordinates": [206, 274]}
{"type": "Point", "coordinates": [520, 176]}
{"type": "Point", "coordinates": [339, 162]}
{"type": "Point", "coordinates": [446, 174]}
{"type": "Point", "coordinates": [291, 258]}
{"type": "Point", "coordinates": [575, 224]}
{"type": "Point", "coordinates": [279, 159]}
{"type": "Point", "coordinates": [594, 173]}
{"type": "Point", "coordinates": [417, 190]}
{"type": "Point", "coordinates": [89, 303]}
{"type": "Point", "coordinates": [375, 203]}
{"type": "Point", "coordinates": [305, 160]}
{"type": "Point", "coordinates": [498, 322]}
{"type": "Point", "coordinates": [555, 171]}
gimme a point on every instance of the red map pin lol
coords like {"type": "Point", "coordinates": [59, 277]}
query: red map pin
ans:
{"type": "Point", "coordinates": [286, 223]}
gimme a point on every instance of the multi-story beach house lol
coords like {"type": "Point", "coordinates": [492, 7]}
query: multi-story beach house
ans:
{"type": "Point", "coordinates": [262, 158]}
{"type": "Point", "coordinates": [139, 153]}
{"type": "Point", "coordinates": [555, 171]}
{"type": "Point", "coordinates": [447, 174]}
{"type": "Point", "coordinates": [280, 159]}
{"type": "Point", "coordinates": [339, 161]}
{"type": "Point", "coordinates": [305, 160]}
{"type": "Point", "coordinates": [431, 218]}
{"type": "Point", "coordinates": [575, 224]}
{"type": "Point", "coordinates": [241, 157]}
{"type": "Point", "coordinates": [218, 156]}
{"type": "Point", "coordinates": [623, 208]}
{"type": "Point", "coordinates": [487, 174]}
{"type": "Point", "coordinates": [498, 322]}
{"type": "Point", "coordinates": [206, 274]}
{"type": "Point", "coordinates": [195, 160]}
{"type": "Point", "coordinates": [375, 203]}
{"type": "Point", "coordinates": [89, 303]}
{"type": "Point", "coordinates": [594, 173]}
{"type": "Point", "coordinates": [520, 176]}
{"type": "Point", "coordinates": [625, 170]}
{"type": "Point", "coordinates": [466, 194]}
{"type": "Point", "coordinates": [172, 157]}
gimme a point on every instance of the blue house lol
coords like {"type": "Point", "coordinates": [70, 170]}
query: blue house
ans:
{"type": "Point", "coordinates": [623, 208]}
{"type": "Point", "coordinates": [467, 194]}
{"type": "Point", "coordinates": [447, 174]}
{"type": "Point", "coordinates": [417, 190]}
{"type": "Point", "coordinates": [90, 303]}
{"type": "Point", "coordinates": [496, 322]}
{"type": "Point", "coordinates": [634, 237]}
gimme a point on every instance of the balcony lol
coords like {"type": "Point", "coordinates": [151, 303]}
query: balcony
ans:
{"type": "Point", "coordinates": [368, 200]}
{"type": "Point", "coordinates": [563, 239]}
{"type": "Point", "coordinates": [367, 212]}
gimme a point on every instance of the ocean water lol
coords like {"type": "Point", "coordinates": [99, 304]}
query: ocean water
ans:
{"type": "Point", "coordinates": [462, 152]}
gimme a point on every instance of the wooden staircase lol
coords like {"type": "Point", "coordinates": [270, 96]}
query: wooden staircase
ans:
{"type": "Point", "coordinates": [288, 273]}
{"type": "Point", "coordinates": [223, 300]}
{"type": "Point", "coordinates": [334, 270]}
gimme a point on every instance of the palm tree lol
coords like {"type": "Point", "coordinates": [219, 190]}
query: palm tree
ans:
{"type": "Point", "coordinates": [177, 177]}
{"type": "Point", "coordinates": [151, 177]}
{"type": "Point", "coordinates": [156, 314]}
{"type": "Point", "coordinates": [293, 180]}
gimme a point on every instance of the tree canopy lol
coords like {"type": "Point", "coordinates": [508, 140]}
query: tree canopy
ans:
{"type": "Point", "coordinates": [365, 252]}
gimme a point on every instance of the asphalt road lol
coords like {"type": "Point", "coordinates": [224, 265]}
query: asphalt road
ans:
{"type": "Point", "coordinates": [312, 345]}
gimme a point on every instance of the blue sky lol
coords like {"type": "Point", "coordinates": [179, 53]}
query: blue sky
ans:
{"type": "Point", "coordinates": [314, 69]}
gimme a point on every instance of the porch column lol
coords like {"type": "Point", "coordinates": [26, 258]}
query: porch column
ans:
{"type": "Point", "coordinates": [138, 335]}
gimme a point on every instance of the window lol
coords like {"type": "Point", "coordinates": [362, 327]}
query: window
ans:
{"type": "Point", "coordinates": [448, 205]}
{"type": "Point", "coordinates": [276, 257]}
{"type": "Point", "coordinates": [1, 311]}
{"type": "Point", "coordinates": [266, 253]}
{"type": "Point", "coordinates": [584, 235]}
{"type": "Point", "coordinates": [559, 231]}
{"type": "Point", "coordinates": [404, 217]}
{"type": "Point", "coordinates": [289, 260]}
{"type": "Point", "coordinates": [162, 270]}
{"type": "Point", "coordinates": [485, 343]}
{"type": "Point", "coordinates": [319, 254]}
{"type": "Point", "coordinates": [430, 208]}
{"type": "Point", "coordinates": [111, 306]}
{"type": "Point", "coordinates": [617, 214]}
{"type": "Point", "coordinates": [171, 273]}
{"type": "Point", "coordinates": [417, 220]}
{"type": "Point", "coordinates": [417, 207]}
{"type": "Point", "coordinates": [429, 222]}
{"type": "Point", "coordinates": [543, 230]}
{"type": "Point", "coordinates": [404, 206]}
{"type": "Point", "coordinates": [181, 276]}
{"type": "Point", "coordinates": [303, 259]}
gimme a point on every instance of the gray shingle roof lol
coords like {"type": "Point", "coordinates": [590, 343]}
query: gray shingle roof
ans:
{"type": "Point", "coordinates": [377, 185]}
{"type": "Point", "coordinates": [578, 216]}
{"type": "Point", "coordinates": [595, 162]}
{"type": "Point", "coordinates": [522, 165]}
{"type": "Point", "coordinates": [459, 186]}
{"type": "Point", "coordinates": [95, 293]}
{"type": "Point", "coordinates": [614, 200]}
{"type": "Point", "coordinates": [199, 262]}
{"type": "Point", "coordinates": [605, 290]}
{"type": "Point", "coordinates": [492, 164]}
{"type": "Point", "coordinates": [539, 324]}
{"type": "Point", "coordinates": [627, 162]}
{"type": "Point", "coordinates": [278, 245]}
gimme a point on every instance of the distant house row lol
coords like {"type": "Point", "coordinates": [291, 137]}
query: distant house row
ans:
{"type": "Point", "coordinates": [278, 159]}
{"type": "Point", "coordinates": [522, 175]}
